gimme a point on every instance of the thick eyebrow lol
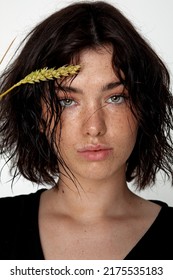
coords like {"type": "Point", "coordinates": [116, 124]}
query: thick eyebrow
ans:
{"type": "Point", "coordinates": [106, 87]}
{"type": "Point", "coordinates": [71, 89]}
{"type": "Point", "coordinates": [111, 86]}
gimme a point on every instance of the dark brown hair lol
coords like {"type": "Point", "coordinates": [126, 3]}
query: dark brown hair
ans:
{"type": "Point", "coordinates": [57, 41]}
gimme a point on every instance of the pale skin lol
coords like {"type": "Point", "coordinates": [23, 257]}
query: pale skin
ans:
{"type": "Point", "coordinates": [99, 217]}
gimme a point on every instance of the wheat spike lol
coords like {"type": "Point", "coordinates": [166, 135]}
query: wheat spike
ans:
{"type": "Point", "coordinates": [45, 74]}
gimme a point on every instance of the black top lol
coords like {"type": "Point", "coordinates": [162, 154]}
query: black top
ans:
{"type": "Point", "coordinates": [19, 233]}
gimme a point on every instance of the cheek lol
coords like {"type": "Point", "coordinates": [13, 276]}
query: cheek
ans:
{"type": "Point", "coordinates": [70, 126]}
{"type": "Point", "coordinates": [131, 136]}
{"type": "Point", "coordinates": [131, 129]}
{"type": "Point", "coordinates": [66, 135]}
{"type": "Point", "coordinates": [132, 126]}
{"type": "Point", "coordinates": [125, 134]}
{"type": "Point", "coordinates": [123, 122]}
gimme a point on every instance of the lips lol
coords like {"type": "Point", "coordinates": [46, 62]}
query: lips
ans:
{"type": "Point", "coordinates": [95, 152]}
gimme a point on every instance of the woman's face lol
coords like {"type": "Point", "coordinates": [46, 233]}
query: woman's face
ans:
{"type": "Point", "coordinates": [98, 130]}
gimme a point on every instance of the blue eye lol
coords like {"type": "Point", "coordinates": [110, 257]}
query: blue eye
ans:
{"type": "Point", "coordinates": [67, 102]}
{"type": "Point", "coordinates": [116, 99]}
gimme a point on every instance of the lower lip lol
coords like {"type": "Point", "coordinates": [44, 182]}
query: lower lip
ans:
{"type": "Point", "coordinates": [96, 155]}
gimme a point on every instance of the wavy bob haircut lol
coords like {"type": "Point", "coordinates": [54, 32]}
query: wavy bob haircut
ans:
{"type": "Point", "coordinates": [58, 41]}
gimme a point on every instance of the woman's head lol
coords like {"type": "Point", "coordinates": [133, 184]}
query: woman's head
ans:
{"type": "Point", "coordinates": [59, 40]}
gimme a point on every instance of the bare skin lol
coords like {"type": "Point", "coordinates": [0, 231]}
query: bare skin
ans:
{"type": "Point", "coordinates": [99, 217]}
{"type": "Point", "coordinates": [90, 230]}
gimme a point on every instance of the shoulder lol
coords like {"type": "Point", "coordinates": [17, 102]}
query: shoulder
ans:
{"type": "Point", "coordinates": [166, 216]}
{"type": "Point", "coordinates": [165, 208]}
{"type": "Point", "coordinates": [156, 243]}
{"type": "Point", "coordinates": [162, 231]}
{"type": "Point", "coordinates": [14, 204]}
{"type": "Point", "coordinates": [18, 223]}
{"type": "Point", "coordinates": [14, 209]}
{"type": "Point", "coordinates": [166, 213]}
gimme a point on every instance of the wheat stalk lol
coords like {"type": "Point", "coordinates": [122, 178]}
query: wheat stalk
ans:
{"type": "Point", "coordinates": [45, 74]}
{"type": "Point", "coordinates": [7, 50]}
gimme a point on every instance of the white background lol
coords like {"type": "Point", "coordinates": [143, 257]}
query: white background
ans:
{"type": "Point", "coordinates": [152, 18]}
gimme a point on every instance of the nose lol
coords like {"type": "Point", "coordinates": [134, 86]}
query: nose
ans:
{"type": "Point", "coordinates": [94, 124]}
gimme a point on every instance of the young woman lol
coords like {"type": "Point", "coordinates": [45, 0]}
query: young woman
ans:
{"type": "Point", "coordinates": [87, 135]}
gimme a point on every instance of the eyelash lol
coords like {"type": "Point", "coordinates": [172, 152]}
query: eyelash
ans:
{"type": "Point", "coordinates": [120, 97]}
{"type": "Point", "coordinates": [62, 102]}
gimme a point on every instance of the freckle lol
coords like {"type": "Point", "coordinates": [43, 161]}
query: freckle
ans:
{"type": "Point", "coordinates": [62, 191]}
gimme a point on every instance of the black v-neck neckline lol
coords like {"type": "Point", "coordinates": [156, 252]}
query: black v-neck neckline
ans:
{"type": "Point", "coordinates": [129, 256]}
{"type": "Point", "coordinates": [147, 235]}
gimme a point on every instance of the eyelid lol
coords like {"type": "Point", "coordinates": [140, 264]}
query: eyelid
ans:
{"type": "Point", "coordinates": [117, 95]}
{"type": "Point", "coordinates": [61, 100]}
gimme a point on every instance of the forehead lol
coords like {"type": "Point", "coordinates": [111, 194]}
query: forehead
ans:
{"type": "Point", "coordinates": [96, 73]}
{"type": "Point", "coordinates": [98, 58]}
{"type": "Point", "coordinates": [96, 67]}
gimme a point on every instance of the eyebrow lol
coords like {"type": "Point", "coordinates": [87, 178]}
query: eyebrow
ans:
{"type": "Point", "coordinates": [104, 88]}
{"type": "Point", "coordinates": [111, 86]}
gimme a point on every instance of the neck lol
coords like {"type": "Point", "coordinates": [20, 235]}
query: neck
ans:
{"type": "Point", "coordinates": [93, 199]}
